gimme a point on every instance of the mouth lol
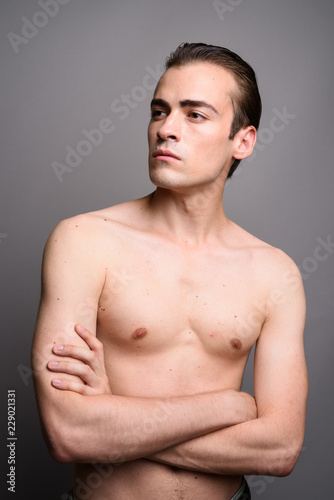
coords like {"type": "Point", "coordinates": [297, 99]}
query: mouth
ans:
{"type": "Point", "coordinates": [165, 154]}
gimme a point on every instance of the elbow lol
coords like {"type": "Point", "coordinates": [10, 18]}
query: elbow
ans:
{"type": "Point", "coordinates": [59, 441]}
{"type": "Point", "coordinates": [284, 461]}
{"type": "Point", "coordinates": [60, 431]}
{"type": "Point", "coordinates": [289, 461]}
{"type": "Point", "coordinates": [61, 455]}
{"type": "Point", "coordinates": [61, 450]}
{"type": "Point", "coordinates": [67, 448]}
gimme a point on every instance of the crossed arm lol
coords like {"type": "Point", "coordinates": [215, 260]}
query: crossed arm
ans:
{"type": "Point", "coordinates": [233, 407]}
{"type": "Point", "coordinates": [249, 446]}
{"type": "Point", "coordinates": [219, 432]}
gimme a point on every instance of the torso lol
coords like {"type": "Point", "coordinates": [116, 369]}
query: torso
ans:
{"type": "Point", "coordinates": [173, 321]}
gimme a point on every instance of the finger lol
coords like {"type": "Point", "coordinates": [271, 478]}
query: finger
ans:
{"type": "Point", "coordinates": [73, 351]}
{"type": "Point", "coordinates": [88, 337]}
{"type": "Point", "coordinates": [87, 356]}
{"type": "Point", "coordinates": [69, 385]}
{"type": "Point", "coordinates": [93, 343]}
{"type": "Point", "coordinates": [81, 370]}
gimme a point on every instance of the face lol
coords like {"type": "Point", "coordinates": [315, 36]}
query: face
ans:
{"type": "Point", "coordinates": [190, 124]}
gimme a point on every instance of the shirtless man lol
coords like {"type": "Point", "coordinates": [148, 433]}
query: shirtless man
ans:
{"type": "Point", "coordinates": [156, 304]}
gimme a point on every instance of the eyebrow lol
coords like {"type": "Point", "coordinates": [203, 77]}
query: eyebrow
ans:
{"type": "Point", "coordinates": [185, 104]}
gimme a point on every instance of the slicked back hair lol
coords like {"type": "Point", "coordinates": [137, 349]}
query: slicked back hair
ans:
{"type": "Point", "coordinates": [246, 100]}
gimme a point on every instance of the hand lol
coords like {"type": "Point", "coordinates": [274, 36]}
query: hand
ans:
{"type": "Point", "coordinates": [90, 370]}
{"type": "Point", "coordinates": [243, 405]}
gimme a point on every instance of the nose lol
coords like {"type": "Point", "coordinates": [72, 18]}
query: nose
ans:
{"type": "Point", "coordinates": [170, 128]}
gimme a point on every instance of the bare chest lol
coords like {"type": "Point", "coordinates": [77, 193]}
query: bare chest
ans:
{"type": "Point", "coordinates": [163, 301]}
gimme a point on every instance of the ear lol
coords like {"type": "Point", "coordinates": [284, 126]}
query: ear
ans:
{"type": "Point", "coordinates": [244, 143]}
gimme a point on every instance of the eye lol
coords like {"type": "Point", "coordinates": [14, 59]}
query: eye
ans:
{"type": "Point", "coordinates": [157, 113]}
{"type": "Point", "coordinates": [196, 116]}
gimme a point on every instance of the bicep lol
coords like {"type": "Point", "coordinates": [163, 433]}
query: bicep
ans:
{"type": "Point", "coordinates": [71, 285]}
{"type": "Point", "coordinates": [280, 376]}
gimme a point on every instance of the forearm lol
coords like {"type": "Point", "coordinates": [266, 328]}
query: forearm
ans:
{"type": "Point", "coordinates": [259, 446]}
{"type": "Point", "coordinates": [84, 422]}
{"type": "Point", "coordinates": [112, 428]}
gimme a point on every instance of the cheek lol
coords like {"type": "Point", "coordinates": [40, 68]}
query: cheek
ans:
{"type": "Point", "coordinates": [212, 150]}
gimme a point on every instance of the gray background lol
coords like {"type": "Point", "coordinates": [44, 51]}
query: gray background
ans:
{"type": "Point", "coordinates": [64, 79]}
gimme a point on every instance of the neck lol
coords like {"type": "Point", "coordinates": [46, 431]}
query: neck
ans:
{"type": "Point", "coordinates": [190, 216]}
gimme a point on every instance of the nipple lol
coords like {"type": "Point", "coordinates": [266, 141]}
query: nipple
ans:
{"type": "Point", "coordinates": [236, 343]}
{"type": "Point", "coordinates": [139, 333]}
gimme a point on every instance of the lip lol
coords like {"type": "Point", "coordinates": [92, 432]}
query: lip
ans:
{"type": "Point", "coordinates": [165, 153]}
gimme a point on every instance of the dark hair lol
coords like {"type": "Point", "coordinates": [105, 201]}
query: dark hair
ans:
{"type": "Point", "coordinates": [246, 101]}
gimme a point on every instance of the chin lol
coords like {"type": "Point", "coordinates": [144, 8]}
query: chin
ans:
{"type": "Point", "coordinates": [164, 183]}
{"type": "Point", "coordinates": [164, 178]}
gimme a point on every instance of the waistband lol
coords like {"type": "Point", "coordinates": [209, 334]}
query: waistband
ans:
{"type": "Point", "coordinates": [243, 492]}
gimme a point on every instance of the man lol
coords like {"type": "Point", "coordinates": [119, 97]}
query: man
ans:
{"type": "Point", "coordinates": [149, 310]}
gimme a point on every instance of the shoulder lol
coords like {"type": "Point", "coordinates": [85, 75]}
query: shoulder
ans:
{"type": "Point", "coordinates": [76, 230]}
{"type": "Point", "coordinates": [278, 267]}
{"type": "Point", "coordinates": [89, 231]}
{"type": "Point", "coordinates": [92, 223]}
{"type": "Point", "coordinates": [270, 263]}
{"type": "Point", "coordinates": [276, 278]}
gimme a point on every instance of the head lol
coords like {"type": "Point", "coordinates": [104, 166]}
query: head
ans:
{"type": "Point", "coordinates": [214, 75]}
{"type": "Point", "coordinates": [246, 100]}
